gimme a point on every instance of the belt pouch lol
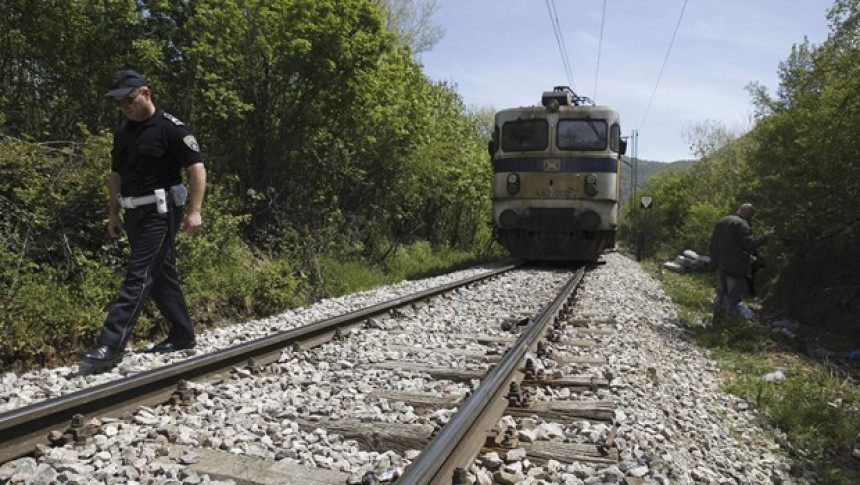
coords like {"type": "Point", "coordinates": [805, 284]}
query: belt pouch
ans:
{"type": "Point", "coordinates": [161, 201]}
{"type": "Point", "coordinates": [179, 194]}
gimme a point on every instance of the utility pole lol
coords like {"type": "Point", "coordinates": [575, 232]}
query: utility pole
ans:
{"type": "Point", "coordinates": [633, 163]}
{"type": "Point", "coordinates": [634, 139]}
{"type": "Point", "coordinates": [635, 229]}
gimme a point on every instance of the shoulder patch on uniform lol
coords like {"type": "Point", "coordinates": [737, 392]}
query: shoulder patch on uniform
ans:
{"type": "Point", "coordinates": [191, 142]}
{"type": "Point", "coordinates": [176, 121]}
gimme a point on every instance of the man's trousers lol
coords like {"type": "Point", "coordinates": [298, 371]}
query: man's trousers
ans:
{"type": "Point", "coordinates": [151, 273]}
{"type": "Point", "coordinates": [730, 292]}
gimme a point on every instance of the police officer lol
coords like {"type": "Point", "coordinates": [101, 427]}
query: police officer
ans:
{"type": "Point", "coordinates": [150, 148]}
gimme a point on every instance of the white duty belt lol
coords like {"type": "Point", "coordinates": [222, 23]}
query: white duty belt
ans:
{"type": "Point", "coordinates": [159, 197]}
{"type": "Point", "coordinates": [135, 202]}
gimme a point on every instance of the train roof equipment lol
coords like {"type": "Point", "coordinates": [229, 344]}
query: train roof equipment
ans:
{"type": "Point", "coordinates": [563, 96]}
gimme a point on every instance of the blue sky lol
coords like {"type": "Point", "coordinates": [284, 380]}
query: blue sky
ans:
{"type": "Point", "coordinates": [503, 53]}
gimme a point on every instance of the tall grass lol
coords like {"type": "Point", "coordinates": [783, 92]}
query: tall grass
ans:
{"type": "Point", "coordinates": [343, 275]}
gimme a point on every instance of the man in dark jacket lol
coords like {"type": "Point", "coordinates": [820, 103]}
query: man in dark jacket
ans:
{"type": "Point", "coordinates": [732, 246]}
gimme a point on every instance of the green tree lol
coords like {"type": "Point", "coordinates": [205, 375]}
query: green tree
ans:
{"type": "Point", "coordinates": [804, 166]}
{"type": "Point", "coordinates": [55, 60]}
{"type": "Point", "coordinates": [324, 141]}
{"type": "Point", "coordinates": [689, 203]}
{"type": "Point", "coordinates": [412, 21]}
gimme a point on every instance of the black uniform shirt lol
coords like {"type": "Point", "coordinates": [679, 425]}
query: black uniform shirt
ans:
{"type": "Point", "coordinates": [150, 154]}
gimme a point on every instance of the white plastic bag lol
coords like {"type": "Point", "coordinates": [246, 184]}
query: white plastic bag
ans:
{"type": "Point", "coordinates": [745, 311]}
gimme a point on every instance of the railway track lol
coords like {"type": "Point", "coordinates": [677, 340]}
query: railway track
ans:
{"type": "Point", "coordinates": [611, 390]}
{"type": "Point", "coordinates": [515, 367]}
{"type": "Point", "coordinates": [22, 429]}
{"type": "Point", "coordinates": [446, 458]}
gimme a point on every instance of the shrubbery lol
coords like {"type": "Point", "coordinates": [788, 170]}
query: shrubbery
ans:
{"type": "Point", "coordinates": [333, 162]}
{"type": "Point", "coordinates": [60, 271]}
{"type": "Point", "coordinates": [798, 167]}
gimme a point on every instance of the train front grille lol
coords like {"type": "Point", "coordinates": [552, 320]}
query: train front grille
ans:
{"type": "Point", "coordinates": [552, 220]}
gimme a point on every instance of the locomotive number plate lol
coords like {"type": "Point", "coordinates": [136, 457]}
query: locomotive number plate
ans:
{"type": "Point", "coordinates": [559, 193]}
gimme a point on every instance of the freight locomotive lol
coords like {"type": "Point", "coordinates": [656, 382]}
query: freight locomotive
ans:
{"type": "Point", "coordinates": [557, 178]}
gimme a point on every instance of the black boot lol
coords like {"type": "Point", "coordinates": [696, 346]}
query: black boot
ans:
{"type": "Point", "coordinates": [101, 356]}
{"type": "Point", "coordinates": [171, 345]}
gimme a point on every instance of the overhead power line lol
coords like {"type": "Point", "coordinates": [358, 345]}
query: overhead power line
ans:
{"type": "Point", "coordinates": [559, 39]}
{"type": "Point", "coordinates": [665, 60]}
{"type": "Point", "coordinates": [599, 49]}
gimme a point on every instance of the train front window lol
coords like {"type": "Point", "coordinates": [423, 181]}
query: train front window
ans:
{"type": "Point", "coordinates": [615, 139]}
{"type": "Point", "coordinates": [582, 134]}
{"type": "Point", "coordinates": [525, 135]}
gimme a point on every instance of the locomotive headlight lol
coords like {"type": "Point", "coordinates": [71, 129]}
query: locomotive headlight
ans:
{"type": "Point", "coordinates": [513, 185]}
{"type": "Point", "coordinates": [591, 185]}
{"type": "Point", "coordinates": [509, 219]}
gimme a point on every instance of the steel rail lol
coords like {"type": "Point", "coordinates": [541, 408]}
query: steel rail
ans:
{"type": "Point", "coordinates": [460, 440]}
{"type": "Point", "coordinates": [21, 430]}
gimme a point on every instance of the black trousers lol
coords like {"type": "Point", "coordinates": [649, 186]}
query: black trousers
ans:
{"type": "Point", "coordinates": [151, 273]}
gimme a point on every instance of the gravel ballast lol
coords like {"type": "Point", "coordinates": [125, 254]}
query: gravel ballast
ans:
{"type": "Point", "coordinates": [675, 425]}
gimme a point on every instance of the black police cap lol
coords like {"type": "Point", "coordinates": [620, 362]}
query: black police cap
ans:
{"type": "Point", "coordinates": [124, 82]}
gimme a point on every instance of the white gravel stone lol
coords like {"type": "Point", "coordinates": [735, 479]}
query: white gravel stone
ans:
{"type": "Point", "coordinates": [516, 454]}
{"type": "Point", "coordinates": [526, 435]}
{"type": "Point", "coordinates": [676, 425]}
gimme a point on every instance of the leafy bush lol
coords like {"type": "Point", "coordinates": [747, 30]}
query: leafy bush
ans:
{"type": "Point", "coordinates": [322, 136]}
{"type": "Point", "coordinates": [55, 259]}
{"type": "Point", "coordinates": [60, 271]}
{"type": "Point", "coordinates": [698, 224]}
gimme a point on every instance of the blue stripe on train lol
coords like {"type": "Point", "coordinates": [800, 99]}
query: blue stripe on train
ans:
{"type": "Point", "coordinates": [560, 164]}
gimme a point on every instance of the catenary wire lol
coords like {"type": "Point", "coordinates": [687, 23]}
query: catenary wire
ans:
{"type": "Point", "coordinates": [665, 60]}
{"type": "Point", "coordinates": [599, 49]}
{"type": "Point", "coordinates": [559, 39]}
{"type": "Point", "coordinates": [563, 43]}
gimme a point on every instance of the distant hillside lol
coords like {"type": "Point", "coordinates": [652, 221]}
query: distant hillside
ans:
{"type": "Point", "coordinates": [646, 169]}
